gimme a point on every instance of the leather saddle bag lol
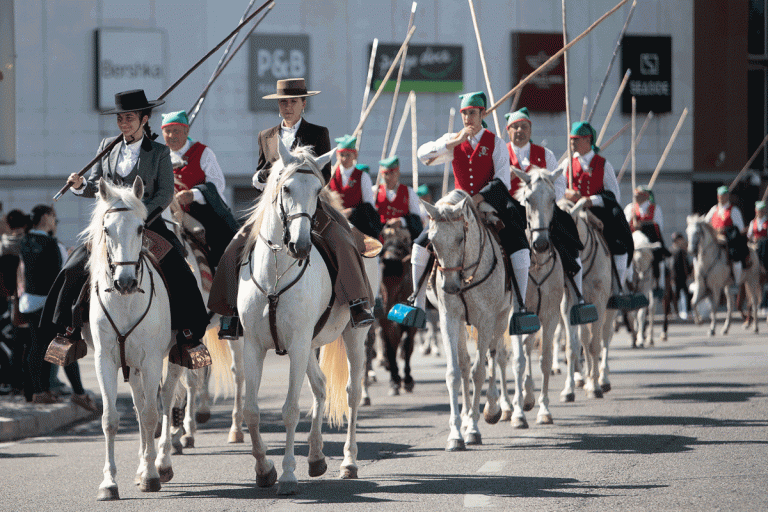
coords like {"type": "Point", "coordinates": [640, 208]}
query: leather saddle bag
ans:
{"type": "Point", "coordinates": [64, 351]}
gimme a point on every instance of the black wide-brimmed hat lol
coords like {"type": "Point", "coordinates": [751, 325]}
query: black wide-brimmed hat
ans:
{"type": "Point", "coordinates": [132, 101]}
{"type": "Point", "coordinates": [291, 88]}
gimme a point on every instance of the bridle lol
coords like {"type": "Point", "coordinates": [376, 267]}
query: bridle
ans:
{"type": "Point", "coordinates": [550, 256]}
{"type": "Point", "coordinates": [138, 264]}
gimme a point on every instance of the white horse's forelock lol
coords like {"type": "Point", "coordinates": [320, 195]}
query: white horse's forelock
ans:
{"type": "Point", "coordinates": [536, 173]}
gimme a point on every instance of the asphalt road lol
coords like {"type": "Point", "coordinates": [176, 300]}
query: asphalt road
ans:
{"type": "Point", "coordinates": [684, 428]}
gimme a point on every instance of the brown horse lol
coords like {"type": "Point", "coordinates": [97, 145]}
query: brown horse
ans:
{"type": "Point", "coordinates": [396, 287]}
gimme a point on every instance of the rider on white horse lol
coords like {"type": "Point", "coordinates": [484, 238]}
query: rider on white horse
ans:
{"type": "Point", "coordinates": [480, 168]}
{"type": "Point", "coordinates": [522, 155]}
{"type": "Point", "coordinates": [395, 200]}
{"type": "Point", "coordinates": [644, 214]}
{"type": "Point", "coordinates": [199, 184]}
{"type": "Point", "coordinates": [727, 220]}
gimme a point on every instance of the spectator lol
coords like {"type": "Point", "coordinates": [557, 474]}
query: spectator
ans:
{"type": "Point", "coordinates": [682, 268]}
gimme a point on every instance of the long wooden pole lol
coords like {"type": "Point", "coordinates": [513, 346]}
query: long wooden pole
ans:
{"type": "Point", "coordinates": [414, 142]}
{"type": "Point", "coordinates": [368, 109]}
{"type": "Point", "coordinates": [749, 162]}
{"type": "Point", "coordinates": [201, 98]}
{"type": "Point", "coordinates": [393, 107]}
{"type": "Point", "coordinates": [447, 167]}
{"type": "Point", "coordinates": [401, 126]}
{"type": "Point", "coordinates": [632, 151]}
{"type": "Point", "coordinates": [584, 104]}
{"type": "Point", "coordinates": [484, 64]}
{"type": "Point", "coordinates": [637, 143]}
{"type": "Point", "coordinates": [192, 112]}
{"type": "Point", "coordinates": [613, 107]}
{"type": "Point", "coordinates": [666, 150]}
{"type": "Point", "coordinates": [166, 93]}
{"type": "Point", "coordinates": [368, 80]}
{"type": "Point", "coordinates": [610, 64]}
{"type": "Point", "coordinates": [568, 172]}
{"type": "Point", "coordinates": [549, 61]}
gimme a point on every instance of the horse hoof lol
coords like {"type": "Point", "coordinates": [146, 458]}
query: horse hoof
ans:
{"type": "Point", "coordinates": [158, 429]}
{"type": "Point", "coordinates": [267, 480]}
{"type": "Point", "coordinates": [519, 422]}
{"type": "Point", "coordinates": [663, 336]}
{"type": "Point", "coordinates": [408, 385]}
{"type": "Point", "coordinates": [568, 397]}
{"type": "Point", "coordinates": [202, 417]}
{"type": "Point", "coordinates": [579, 383]}
{"type": "Point", "coordinates": [528, 406]}
{"type": "Point", "coordinates": [178, 449]}
{"type": "Point", "coordinates": [455, 445]}
{"type": "Point", "coordinates": [318, 468]}
{"type": "Point", "coordinates": [492, 419]}
{"type": "Point", "coordinates": [473, 438]}
{"type": "Point", "coordinates": [366, 401]}
{"type": "Point", "coordinates": [393, 391]}
{"type": "Point", "coordinates": [544, 419]}
{"type": "Point", "coordinates": [605, 387]}
{"type": "Point", "coordinates": [235, 437]}
{"type": "Point", "coordinates": [372, 376]}
{"type": "Point", "coordinates": [555, 371]}
{"type": "Point", "coordinates": [149, 485]}
{"type": "Point", "coordinates": [108, 494]}
{"type": "Point", "coordinates": [348, 473]}
{"type": "Point", "coordinates": [711, 332]}
{"type": "Point", "coordinates": [166, 474]}
{"type": "Point", "coordinates": [596, 393]}
{"type": "Point", "coordinates": [287, 488]}
{"type": "Point", "coordinates": [187, 441]}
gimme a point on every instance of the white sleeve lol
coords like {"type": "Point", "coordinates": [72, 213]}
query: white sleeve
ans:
{"type": "Point", "coordinates": [367, 189]}
{"type": "Point", "coordinates": [501, 162]}
{"type": "Point", "coordinates": [628, 212]}
{"type": "Point", "coordinates": [738, 220]}
{"type": "Point", "coordinates": [552, 163]}
{"type": "Point", "coordinates": [414, 206]}
{"type": "Point", "coordinates": [658, 218]}
{"type": "Point", "coordinates": [710, 214]}
{"type": "Point", "coordinates": [435, 152]}
{"type": "Point", "coordinates": [750, 230]}
{"type": "Point", "coordinates": [213, 174]}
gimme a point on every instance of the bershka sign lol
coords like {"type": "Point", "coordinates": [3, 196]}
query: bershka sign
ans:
{"type": "Point", "coordinates": [126, 57]}
{"type": "Point", "coordinates": [272, 58]}
{"type": "Point", "coordinates": [650, 59]}
{"type": "Point", "coordinates": [428, 68]}
{"type": "Point", "coordinates": [546, 91]}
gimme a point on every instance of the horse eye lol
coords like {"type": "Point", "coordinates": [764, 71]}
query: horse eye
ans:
{"type": "Point", "coordinates": [106, 231]}
{"type": "Point", "coordinates": [140, 230]}
{"type": "Point", "coordinates": [286, 189]}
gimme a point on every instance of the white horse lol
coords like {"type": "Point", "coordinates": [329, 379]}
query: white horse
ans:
{"type": "Point", "coordinates": [470, 288]}
{"type": "Point", "coordinates": [596, 337]}
{"type": "Point", "coordinates": [283, 268]}
{"type": "Point", "coordinates": [129, 329]}
{"type": "Point", "coordinates": [712, 272]}
{"type": "Point", "coordinates": [642, 277]}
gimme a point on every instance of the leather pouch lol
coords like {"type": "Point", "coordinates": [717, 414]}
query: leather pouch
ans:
{"type": "Point", "coordinates": [64, 351]}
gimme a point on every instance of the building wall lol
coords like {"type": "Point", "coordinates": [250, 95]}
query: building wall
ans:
{"type": "Point", "coordinates": [58, 128]}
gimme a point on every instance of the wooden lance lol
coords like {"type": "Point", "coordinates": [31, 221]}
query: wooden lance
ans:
{"type": "Point", "coordinates": [414, 141]}
{"type": "Point", "coordinates": [613, 107]}
{"type": "Point", "coordinates": [632, 151]}
{"type": "Point", "coordinates": [367, 90]}
{"type": "Point", "coordinates": [666, 150]}
{"type": "Point", "coordinates": [484, 64]}
{"type": "Point", "coordinates": [749, 162]}
{"type": "Point", "coordinates": [584, 104]}
{"type": "Point", "coordinates": [447, 167]}
{"type": "Point", "coordinates": [637, 143]}
{"type": "Point", "coordinates": [167, 92]}
{"type": "Point", "coordinates": [401, 126]}
{"type": "Point", "coordinates": [568, 172]}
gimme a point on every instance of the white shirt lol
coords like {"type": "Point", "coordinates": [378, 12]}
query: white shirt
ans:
{"type": "Point", "coordinates": [736, 217]}
{"type": "Point", "coordinates": [436, 153]}
{"type": "Point", "coordinates": [210, 167]}
{"type": "Point", "coordinates": [751, 229]}
{"type": "Point", "coordinates": [126, 160]}
{"type": "Point", "coordinates": [365, 183]}
{"type": "Point", "coordinates": [523, 155]}
{"type": "Point", "coordinates": [414, 205]}
{"type": "Point", "coordinates": [289, 134]}
{"type": "Point", "coordinates": [658, 218]}
{"type": "Point", "coordinates": [609, 177]}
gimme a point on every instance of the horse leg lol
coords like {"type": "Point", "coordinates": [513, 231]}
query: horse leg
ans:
{"type": "Point", "coordinates": [253, 359]}
{"type": "Point", "coordinates": [591, 355]}
{"type": "Point", "coordinates": [568, 394]}
{"type": "Point", "coordinates": [316, 458]}
{"type": "Point", "coordinates": [492, 411]}
{"type": "Point", "coordinates": [557, 336]}
{"type": "Point", "coordinates": [607, 335]}
{"type": "Point", "coordinates": [728, 310]}
{"type": "Point", "coordinates": [203, 414]}
{"type": "Point", "coordinates": [465, 363]}
{"type": "Point", "coordinates": [650, 310]}
{"type": "Point", "coordinates": [354, 344]}
{"type": "Point", "coordinates": [369, 375]}
{"type": "Point", "coordinates": [544, 417]}
{"type": "Point", "coordinates": [408, 343]}
{"type": "Point", "coordinates": [472, 432]}
{"type": "Point", "coordinates": [501, 361]}
{"type": "Point", "coordinates": [193, 381]}
{"type": "Point", "coordinates": [144, 385]}
{"type": "Point", "coordinates": [106, 372]}
{"type": "Point", "coordinates": [299, 362]}
{"type": "Point", "coordinates": [391, 336]}
{"type": "Point", "coordinates": [518, 355]}
{"type": "Point", "coordinates": [236, 430]}
{"type": "Point", "coordinates": [169, 397]}
{"type": "Point", "coordinates": [451, 331]}
{"type": "Point", "coordinates": [529, 394]}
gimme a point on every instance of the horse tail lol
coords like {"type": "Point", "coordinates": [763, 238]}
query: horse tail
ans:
{"type": "Point", "coordinates": [333, 363]}
{"type": "Point", "coordinates": [221, 356]}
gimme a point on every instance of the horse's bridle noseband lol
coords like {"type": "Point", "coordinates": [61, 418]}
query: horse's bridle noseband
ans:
{"type": "Point", "coordinates": [114, 264]}
{"type": "Point", "coordinates": [286, 219]}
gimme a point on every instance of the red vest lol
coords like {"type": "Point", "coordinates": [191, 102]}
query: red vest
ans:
{"type": "Point", "coordinates": [352, 194]}
{"type": "Point", "coordinates": [538, 158]}
{"type": "Point", "coordinates": [191, 174]}
{"type": "Point", "coordinates": [647, 218]}
{"type": "Point", "coordinates": [585, 183]}
{"type": "Point", "coordinates": [759, 230]}
{"type": "Point", "coordinates": [721, 220]}
{"type": "Point", "coordinates": [392, 210]}
{"type": "Point", "coordinates": [473, 169]}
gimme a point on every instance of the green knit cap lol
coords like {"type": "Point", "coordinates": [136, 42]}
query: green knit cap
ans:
{"type": "Point", "coordinates": [759, 205]}
{"type": "Point", "coordinates": [390, 163]}
{"type": "Point", "coordinates": [346, 143]}
{"type": "Point", "coordinates": [721, 191]}
{"type": "Point", "coordinates": [179, 117]}
{"type": "Point", "coordinates": [363, 167]}
{"type": "Point", "coordinates": [584, 129]}
{"type": "Point", "coordinates": [422, 190]}
{"type": "Point", "coordinates": [518, 115]}
{"type": "Point", "coordinates": [473, 100]}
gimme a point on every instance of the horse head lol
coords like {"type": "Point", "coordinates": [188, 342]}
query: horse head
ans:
{"type": "Point", "coordinates": [697, 233]}
{"type": "Point", "coordinates": [538, 194]}
{"type": "Point", "coordinates": [116, 234]}
{"type": "Point", "coordinates": [453, 228]}
{"type": "Point", "coordinates": [396, 251]}
{"type": "Point", "coordinates": [642, 258]}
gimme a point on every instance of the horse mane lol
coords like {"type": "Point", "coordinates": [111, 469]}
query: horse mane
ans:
{"type": "Point", "coordinates": [453, 198]}
{"type": "Point", "coordinates": [93, 235]}
{"type": "Point", "coordinates": [277, 177]}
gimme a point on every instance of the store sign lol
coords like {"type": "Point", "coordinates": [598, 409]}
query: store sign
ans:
{"type": "Point", "coordinates": [546, 91]}
{"type": "Point", "coordinates": [428, 68]}
{"type": "Point", "coordinates": [129, 59]}
{"type": "Point", "coordinates": [272, 58]}
{"type": "Point", "coordinates": [650, 59]}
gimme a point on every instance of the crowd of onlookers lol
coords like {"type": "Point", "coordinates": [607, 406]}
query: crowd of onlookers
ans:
{"type": "Point", "coordinates": [30, 259]}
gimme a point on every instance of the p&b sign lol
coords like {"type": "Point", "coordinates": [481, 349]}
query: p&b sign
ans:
{"type": "Point", "coordinates": [273, 58]}
{"type": "Point", "coordinates": [650, 59]}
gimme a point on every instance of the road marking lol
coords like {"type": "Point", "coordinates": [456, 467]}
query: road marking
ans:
{"type": "Point", "coordinates": [492, 466]}
{"type": "Point", "coordinates": [477, 499]}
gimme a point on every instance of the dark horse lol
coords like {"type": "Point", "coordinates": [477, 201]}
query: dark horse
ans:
{"type": "Point", "coordinates": [396, 287]}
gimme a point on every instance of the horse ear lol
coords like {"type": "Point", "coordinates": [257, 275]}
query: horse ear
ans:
{"type": "Point", "coordinates": [285, 153]}
{"type": "Point", "coordinates": [138, 187]}
{"type": "Point", "coordinates": [524, 177]}
{"type": "Point", "coordinates": [431, 210]}
{"type": "Point", "coordinates": [557, 173]}
{"type": "Point", "coordinates": [103, 190]}
{"type": "Point", "coordinates": [324, 159]}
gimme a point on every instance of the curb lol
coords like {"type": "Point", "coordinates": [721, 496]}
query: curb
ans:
{"type": "Point", "coordinates": [36, 420]}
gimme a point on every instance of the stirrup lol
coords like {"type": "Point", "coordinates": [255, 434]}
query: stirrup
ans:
{"type": "Point", "coordinates": [230, 328]}
{"type": "Point", "coordinates": [627, 301]}
{"type": "Point", "coordinates": [408, 315]}
{"type": "Point", "coordinates": [193, 355]}
{"type": "Point", "coordinates": [583, 313]}
{"type": "Point", "coordinates": [524, 322]}
{"type": "Point", "coordinates": [359, 314]}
